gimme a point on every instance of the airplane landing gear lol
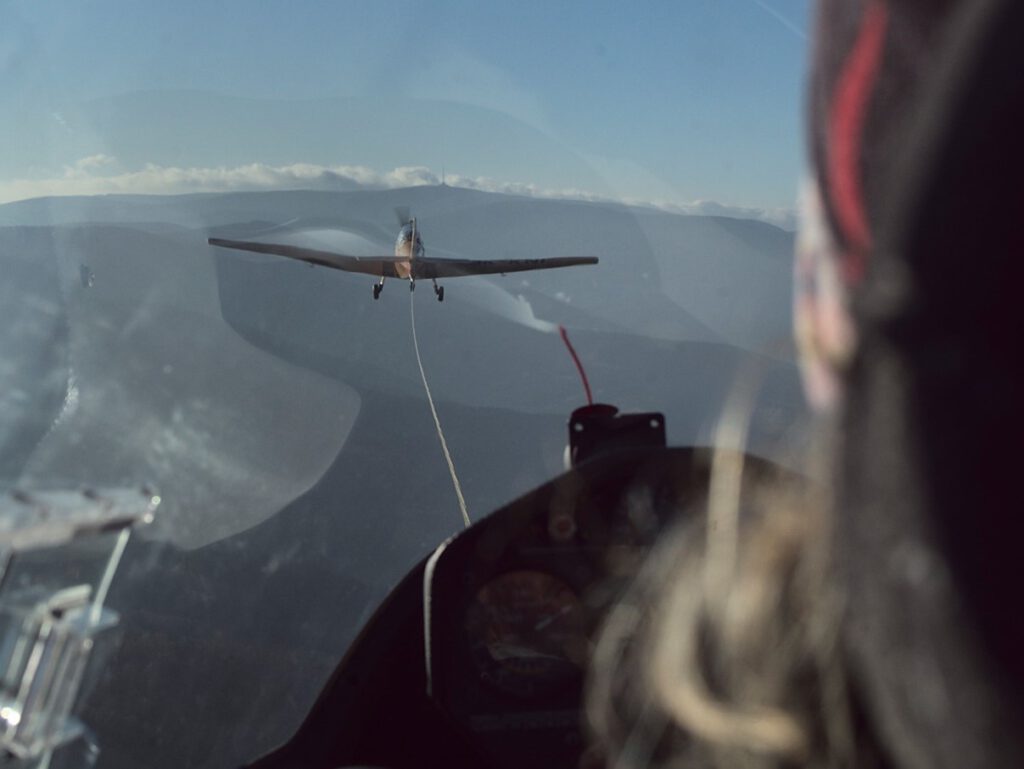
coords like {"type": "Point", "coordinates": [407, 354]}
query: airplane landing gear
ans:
{"type": "Point", "coordinates": [377, 288]}
{"type": "Point", "coordinates": [412, 284]}
{"type": "Point", "coordinates": [439, 291]}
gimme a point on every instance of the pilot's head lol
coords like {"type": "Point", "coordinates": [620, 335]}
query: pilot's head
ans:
{"type": "Point", "coordinates": [406, 233]}
{"type": "Point", "coordinates": [908, 323]}
{"type": "Point", "coordinates": [875, 622]}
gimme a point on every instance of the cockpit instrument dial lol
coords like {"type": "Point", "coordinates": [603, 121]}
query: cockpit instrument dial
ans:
{"type": "Point", "coordinates": [527, 631]}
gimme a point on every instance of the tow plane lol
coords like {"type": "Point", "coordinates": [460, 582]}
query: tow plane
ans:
{"type": "Point", "coordinates": [409, 262]}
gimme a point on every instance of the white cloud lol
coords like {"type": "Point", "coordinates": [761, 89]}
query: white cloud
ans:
{"type": "Point", "coordinates": [780, 217]}
{"type": "Point", "coordinates": [101, 174]}
{"type": "Point", "coordinates": [85, 166]}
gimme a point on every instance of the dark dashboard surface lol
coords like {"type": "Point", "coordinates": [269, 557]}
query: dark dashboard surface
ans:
{"type": "Point", "coordinates": [479, 656]}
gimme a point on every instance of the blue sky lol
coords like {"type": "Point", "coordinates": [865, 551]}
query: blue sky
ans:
{"type": "Point", "coordinates": [667, 101]}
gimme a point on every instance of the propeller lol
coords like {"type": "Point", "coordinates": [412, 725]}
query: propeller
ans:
{"type": "Point", "coordinates": [402, 215]}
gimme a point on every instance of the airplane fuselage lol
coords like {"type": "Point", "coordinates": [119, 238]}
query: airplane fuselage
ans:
{"type": "Point", "coordinates": [408, 244]}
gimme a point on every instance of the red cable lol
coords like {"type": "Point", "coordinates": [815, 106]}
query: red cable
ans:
{"type": "Point", "coordinates": [579, 366]}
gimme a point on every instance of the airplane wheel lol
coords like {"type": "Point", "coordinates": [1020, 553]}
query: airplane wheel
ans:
{"type": "Point", "coordinates": [412, 285]}
{"type": "Point", "coordinates": [376, 290]}
{"type": "Point", "coordinates": [440, 294]}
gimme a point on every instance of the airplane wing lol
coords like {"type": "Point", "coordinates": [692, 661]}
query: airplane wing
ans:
{"type": "Point", "coordinates": [377, 266]}
{"type": "Point", "coordinates": [425, 267]}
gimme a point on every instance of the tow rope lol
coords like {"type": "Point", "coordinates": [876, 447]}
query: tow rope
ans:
{"type": "Point", "coordinates": [433, 411]}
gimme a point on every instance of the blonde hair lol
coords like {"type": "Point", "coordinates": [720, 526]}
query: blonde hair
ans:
{"type": "Point", "coordinates": [725, 651]}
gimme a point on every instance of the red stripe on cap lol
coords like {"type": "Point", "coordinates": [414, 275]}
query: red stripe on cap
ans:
{"type": "Point", "coordinates": [846, 126]}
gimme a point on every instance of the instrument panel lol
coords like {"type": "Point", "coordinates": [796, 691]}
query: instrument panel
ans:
{"type": "Point", "coordinates": [479, 657]}
{"type": "Point", "coordinates": [513, 605]}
